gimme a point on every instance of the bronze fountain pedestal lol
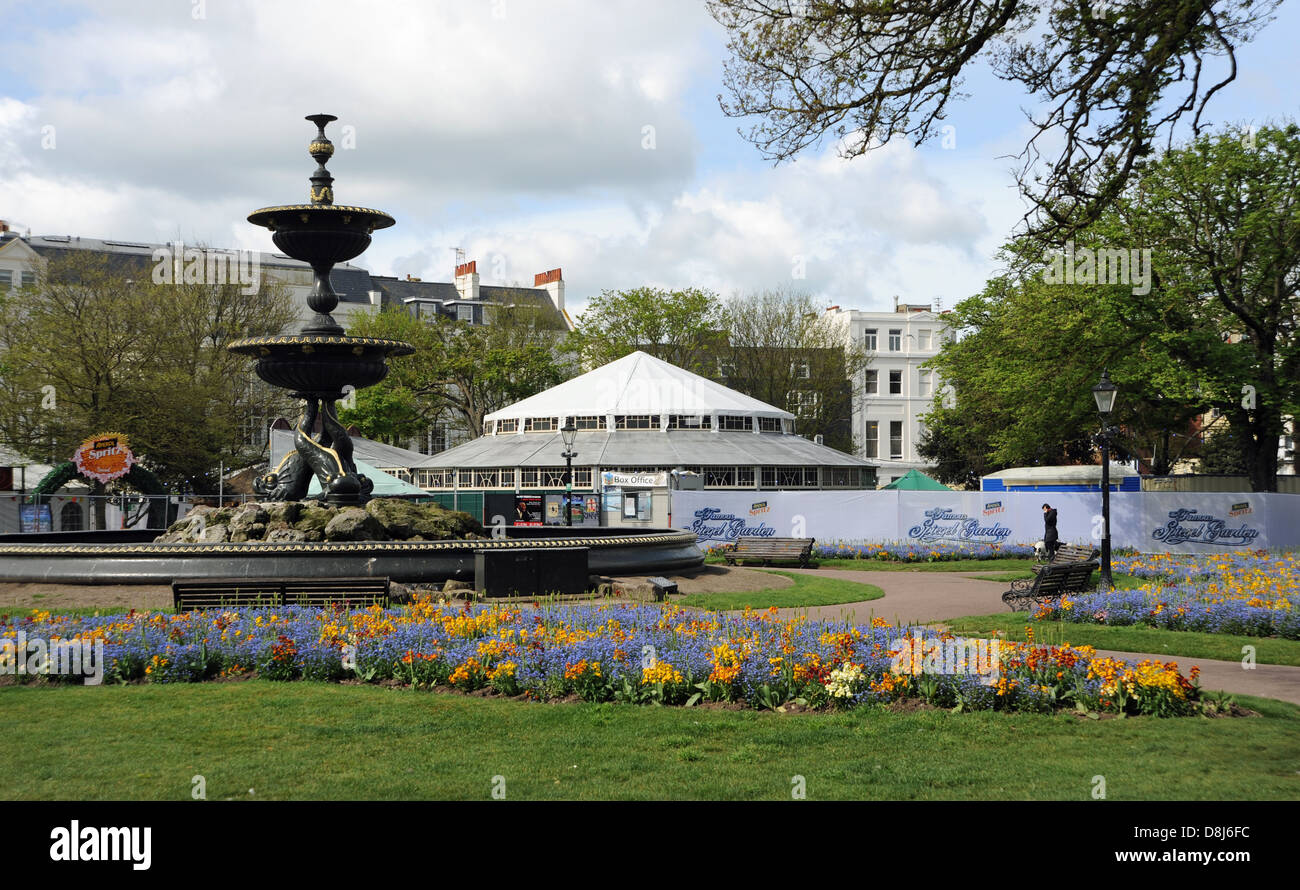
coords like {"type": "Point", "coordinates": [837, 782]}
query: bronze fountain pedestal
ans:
{"type": "Point", "coordinates": [320, 361]}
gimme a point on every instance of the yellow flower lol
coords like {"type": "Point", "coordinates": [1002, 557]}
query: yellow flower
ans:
{"type": "Point", "coordinates": [661, 672]}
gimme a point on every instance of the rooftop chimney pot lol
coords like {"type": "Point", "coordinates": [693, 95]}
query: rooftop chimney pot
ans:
{"type": "Point", "coordinates": [553, 283]}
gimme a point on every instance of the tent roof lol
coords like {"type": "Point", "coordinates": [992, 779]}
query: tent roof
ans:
{"type": "Point", "coordinates": [1076, 473]}
{"type": "Point", "coordinates": [638, 384]}
{"type": "Point", "coordinates": [915, 480]}
{"type": "Point", "coordinates": [376, 454]}
{"type": "Point", "coordinates": [385, 485]}
{"type": "Point", "coordinates": [637, 448]}
{"type": "Point", "coordinates": [35, 471]}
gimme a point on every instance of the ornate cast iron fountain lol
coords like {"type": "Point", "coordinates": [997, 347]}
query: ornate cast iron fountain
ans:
{"type": "Point", "coordinates": [320, 360]}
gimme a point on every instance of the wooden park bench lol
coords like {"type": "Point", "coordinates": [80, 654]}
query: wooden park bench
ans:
{"type": "Point", "coordinates": [769, 550]}
{"type": "Point", "coordinates": [1053, 581]}
{"type": "Point", "coordinates": [1067, 554]}
{"type": "Point", "coordinates": [242, 593]}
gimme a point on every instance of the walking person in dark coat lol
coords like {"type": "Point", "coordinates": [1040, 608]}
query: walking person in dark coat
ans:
{"type": "Point", "coordinates": [1050, 539]}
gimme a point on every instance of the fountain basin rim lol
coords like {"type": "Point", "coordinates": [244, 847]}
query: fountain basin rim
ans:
{"type": "Point", "coordinates": [381, 219]}
{"type": "Point", "coordinates": [654, 552]}
{"type": "Point", "coordinates": [603, 541]}
{"type": "Point", "coordinates": [254, 345]}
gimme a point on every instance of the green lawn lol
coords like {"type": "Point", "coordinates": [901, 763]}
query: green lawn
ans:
{"type": "Point", "coordinates": [1122, 582]}
{"type": "Point", "coordinates": [880, 565]}
{"type": "Point", "coordinates": [262, 740]}
{"type": "Point", "coordinates": [1132, 638]}
{"type": "Point", "coordinates": [808, 590]}
{"type": "Point", "coordinates": [83, 611]}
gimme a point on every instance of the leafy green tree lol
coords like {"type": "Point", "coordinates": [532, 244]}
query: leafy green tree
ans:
{"type": "Point", "coordinates": [783, 349]}
{"type": "Point", "coordinates": [462, 371]}
{"type": "Point", "coordinates": [678, 326]}
{"type": "Point", "coordinates": [386, 413]}
{"type": "Point", "coordinates": [1222, 218]}
{"type": "Point", "coordinates": [956, 445]}
{"type": "Point", "coordinates": [1214, 324]}
{"type": "Point", "coordinates": [1224, 453]}
{"type": "Point", "coordinates": [95, 346]}
{"type": "Point", "coordinates": [1021, 393]}
{"type": "Point", "coordinates": [1110, 77]}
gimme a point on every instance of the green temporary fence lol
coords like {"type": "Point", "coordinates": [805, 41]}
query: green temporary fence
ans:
{"type": "Point", "coordinates": [470, 502]}
{"type": "Point", "coordinates": [474, 502]}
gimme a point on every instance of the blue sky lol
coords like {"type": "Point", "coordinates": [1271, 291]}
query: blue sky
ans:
{"type": "Point", "coordinates": [512, 129]}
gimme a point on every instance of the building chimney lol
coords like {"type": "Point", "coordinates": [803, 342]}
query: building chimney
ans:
{"type": "Point", "coordinates": [467, 280]}
{"type": "Point", "coordinates": [553, 283]}
{"type": "Point", "coordinates": [410, 277]}
{"type": "Point", "coordinates": [895, 302]}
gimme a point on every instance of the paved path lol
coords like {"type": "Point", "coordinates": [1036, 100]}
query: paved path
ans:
{"type": "Point", "coordinates": [927, 597]}
{"type": "Point", "coordinates": [911, 597]}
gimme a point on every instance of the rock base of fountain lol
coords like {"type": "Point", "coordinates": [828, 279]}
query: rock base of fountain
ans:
{"type": "Point", "coordinates": [284, 522]}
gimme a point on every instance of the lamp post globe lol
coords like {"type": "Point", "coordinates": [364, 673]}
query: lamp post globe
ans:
{"type": "Point", "coordinates": [1104, 394]}
{"type": "Point", "coordinates": [568, 433]}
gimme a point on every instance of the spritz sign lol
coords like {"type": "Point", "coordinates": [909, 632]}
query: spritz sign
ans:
{"type": "Point", "coordinates": [104, 458]}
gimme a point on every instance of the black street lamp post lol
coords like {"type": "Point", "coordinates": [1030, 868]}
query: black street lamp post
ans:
{"type": "Point", "coordinates": [568, 432]}
{"type": "Point", "coordinates": [1104, 393]}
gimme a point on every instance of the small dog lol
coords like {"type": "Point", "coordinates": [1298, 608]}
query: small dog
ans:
{"type": "Point", "coordinates": [1040, 549]}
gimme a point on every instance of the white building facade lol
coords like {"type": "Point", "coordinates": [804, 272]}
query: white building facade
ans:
{"type": "Point", "coordinates": [894, 390]}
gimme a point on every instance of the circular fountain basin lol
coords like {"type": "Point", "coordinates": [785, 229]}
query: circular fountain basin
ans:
{"type": "Point", "coordinates": [611, 551]}
{"type": "Point", "coordinates": [321, 363]}
{"type": "Point", "coordinates": [321, 233]}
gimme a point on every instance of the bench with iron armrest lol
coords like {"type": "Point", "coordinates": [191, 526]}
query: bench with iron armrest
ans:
{"type": "Point", "coordinates": [1053, 581]}
{"type": "Point", "coordinates": [234, 593]}
{"type": "Point", "coordinates": [768, 550]}
{"type": "Point", "coordinates": [1068, 554]}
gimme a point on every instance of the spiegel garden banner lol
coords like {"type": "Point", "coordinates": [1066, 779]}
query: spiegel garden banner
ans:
{"type": "Point", "coordinates": [1151, 522]}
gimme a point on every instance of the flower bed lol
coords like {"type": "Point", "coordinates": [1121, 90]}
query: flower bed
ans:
{"type": "Point", "coordinates": [914, 552]}
{"type": "Point", "coordinates": [1248, 593]}
{"type": "Point", "coordinates": [629, 653]}
{"type": "Point", "coordinates": [902, 551]}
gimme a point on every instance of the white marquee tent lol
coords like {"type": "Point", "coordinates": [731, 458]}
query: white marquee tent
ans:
{"type": "Point", "coordinates": [642, 414]}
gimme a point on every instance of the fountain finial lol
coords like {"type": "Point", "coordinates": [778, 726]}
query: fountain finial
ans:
{"type": "Point", "coordinates": [321, 149]}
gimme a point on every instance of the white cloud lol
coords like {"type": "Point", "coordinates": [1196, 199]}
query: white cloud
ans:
{"type": "Point", "coordinates": [517, 137]}
{"type": "Point", "coordinates": [866, 229]}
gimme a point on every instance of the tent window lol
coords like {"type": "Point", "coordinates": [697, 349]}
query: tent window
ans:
{"type": "Point", "coordinates": [636, 422]}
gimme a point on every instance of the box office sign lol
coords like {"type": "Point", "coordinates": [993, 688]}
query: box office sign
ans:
{"type": "Point", "coordinates": [633, 480]}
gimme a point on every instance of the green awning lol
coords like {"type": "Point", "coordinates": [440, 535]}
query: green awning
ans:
{"type": "Point", "coordinates": [915, 480]}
